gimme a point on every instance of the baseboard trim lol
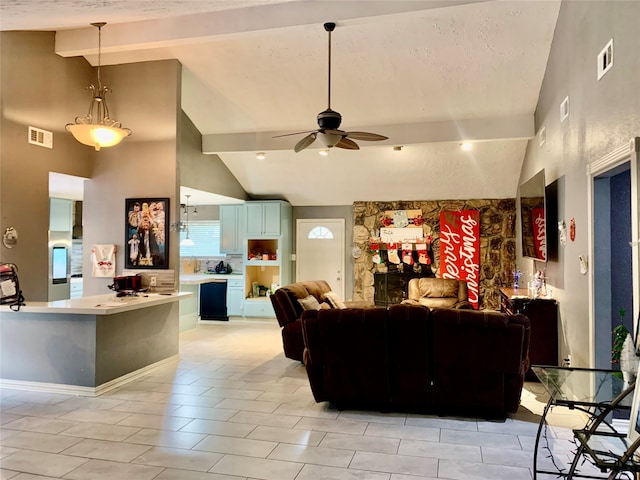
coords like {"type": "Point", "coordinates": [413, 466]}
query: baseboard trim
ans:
{"type": "Point", "coordinates": [78, 390]}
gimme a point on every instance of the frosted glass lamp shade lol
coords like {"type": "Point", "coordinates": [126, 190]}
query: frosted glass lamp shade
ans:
{"type": "Point", "coordinates": [97, 136]}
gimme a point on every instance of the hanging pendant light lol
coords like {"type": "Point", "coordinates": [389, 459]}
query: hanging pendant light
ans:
{"type": "Point", "coordinates": [97, 129]}
{"type": "Point", "coordinates": [187, 241]}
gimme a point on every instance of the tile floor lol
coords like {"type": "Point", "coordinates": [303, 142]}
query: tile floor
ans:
{"type": "Point", "coordinates": [234, 408]}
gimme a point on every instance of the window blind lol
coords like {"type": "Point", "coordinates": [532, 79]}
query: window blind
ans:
{"type": "Point", "coordinates": [206, 238]}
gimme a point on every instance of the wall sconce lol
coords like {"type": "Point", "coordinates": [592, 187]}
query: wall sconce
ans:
{"type": "Point", "coordinates": [324, 152]}
{"type": "Point", "coordinates": [97, 129]}
{"type": "Point", "coordinates": [466, 146]}
{"type": "Point", "coordinates": [261, 155]}
{"type": "Point", "coordinates": [397, 148]}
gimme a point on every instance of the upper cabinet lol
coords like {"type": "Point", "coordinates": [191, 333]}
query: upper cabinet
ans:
{"type": "Point", "coordinates": [232, 228]}
{"type": "Point", "coordinates": [263, 219]}
{"type": "Point", "coordinates": [60, 215]}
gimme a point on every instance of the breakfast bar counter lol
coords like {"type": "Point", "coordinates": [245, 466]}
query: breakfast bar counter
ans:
{"type": "Point", "coordinates": [88, 345]}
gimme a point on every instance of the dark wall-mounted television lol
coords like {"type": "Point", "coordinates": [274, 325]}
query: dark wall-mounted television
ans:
{"type": "Point", "coordinates": [538, 218]}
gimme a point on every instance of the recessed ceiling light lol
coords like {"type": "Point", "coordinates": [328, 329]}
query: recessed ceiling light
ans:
{"type": "Point", "coordinates": [466, 146]}
{"type": "Point", "coordinates": [324, 152]}
{"type": "Point", "coordinates": [261, 155]}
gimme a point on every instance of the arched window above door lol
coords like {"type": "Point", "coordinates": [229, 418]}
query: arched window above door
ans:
{"type": "Point", "coordinates": [320, 233]}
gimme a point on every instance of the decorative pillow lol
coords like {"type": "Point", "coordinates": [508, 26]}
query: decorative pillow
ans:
{"type": "Point", "coordinates": [309, 303]}
{"type": "Point", "coordinates": [334, 300]}
{"type": "Point", "coordinates": [325, 306]}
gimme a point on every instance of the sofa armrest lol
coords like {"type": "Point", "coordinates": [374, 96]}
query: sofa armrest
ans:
{"type": "Point", "coordinates": [411, 301]}
{"type": "Point", "coordinates": [360, 304]}
{"type": "Point", "coordinates": [463, 305]}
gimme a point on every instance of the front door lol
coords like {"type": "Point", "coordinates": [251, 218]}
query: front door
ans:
{"type": "Point", "coordinates": [320, 251]}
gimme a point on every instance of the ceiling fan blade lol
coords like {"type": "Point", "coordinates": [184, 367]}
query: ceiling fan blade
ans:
{"type": "Point", "coordinates": [371, 137]}
{"type": "Point", "coordinates": [348, 144]}
{"type": "Point", "coordinates": [305, 142]}
{"type": "Point", "coordinates": [296, 133]}
{"type": "Point", "coordinates": [331, 131]}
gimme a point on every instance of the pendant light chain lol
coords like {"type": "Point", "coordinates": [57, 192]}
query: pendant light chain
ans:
{"type": "Point", "coordinates": [329, 76]}
{"type": "Point", "coordinates": [99, 55]}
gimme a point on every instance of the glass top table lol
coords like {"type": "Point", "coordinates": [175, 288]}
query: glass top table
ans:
{"type": "Point", "coordinates": [595, 392]}
{"type": "Point", "coordinates": [581, 386]}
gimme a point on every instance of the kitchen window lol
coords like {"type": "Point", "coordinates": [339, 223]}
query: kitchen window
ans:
{"type": "Point", "coordinates": [206, 238]}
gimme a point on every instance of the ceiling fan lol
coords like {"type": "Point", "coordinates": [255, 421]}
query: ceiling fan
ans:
{"type": "Point", "coordinates": [329, 122]}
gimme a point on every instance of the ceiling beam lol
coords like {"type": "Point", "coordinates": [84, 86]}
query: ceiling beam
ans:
{"type": "Point", "coordinates": [219, 25]}
{"type": "Point", "coordinates": [482, 129]}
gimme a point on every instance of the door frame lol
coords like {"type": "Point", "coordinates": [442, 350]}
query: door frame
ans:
{"type": "Point", "coordinates": [628, 152]}
{"type": "Point", "coordinates": [342, 246]}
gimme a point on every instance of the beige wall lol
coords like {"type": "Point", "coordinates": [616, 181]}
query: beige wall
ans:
{"type": "Point", "coordinates": [143, 165]}
{"type": "Point", "coordinates": [40, 89]}
{"type": "Point", "coordinates": [604, 115]}
{"type": "Point", "coordinates": [203, 172]}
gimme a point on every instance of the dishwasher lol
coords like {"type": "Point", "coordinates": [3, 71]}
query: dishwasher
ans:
{"type": "Point", "coordinates": [213, 300]}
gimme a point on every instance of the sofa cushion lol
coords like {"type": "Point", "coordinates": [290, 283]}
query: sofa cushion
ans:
{"type": "Point", "coordinates": [296, 291]}
{"type": "Point", "coordinates": [346, 355]}
{"type": "Point", "coordinates": [480, 349]}
{"type": "Point", "coordinates": [309, 303]}
{"type": "Point", "coordinates": [409, 332]}
{"type": "Point", "coordinates": [438, 287]}
{"type": "Point", "coordinates": [334, 300]}
{"type": "Point", "coordinates": [447, 302]}
{"type": "Point", "coordinates": [317, 288]}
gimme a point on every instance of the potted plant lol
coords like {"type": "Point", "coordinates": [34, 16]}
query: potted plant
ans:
{"type": "Point", "coordinates": [623, 350]}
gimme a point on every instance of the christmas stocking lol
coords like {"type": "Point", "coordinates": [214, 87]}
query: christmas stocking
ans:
{"type": "Point", "coordinates": [392, 252]}
{"type": "Point", "coordinates": [423, 258]}
{"type": "Point", "coordinates": [407, 253]}
{"type": "Point", "coordinates": [375, 253]}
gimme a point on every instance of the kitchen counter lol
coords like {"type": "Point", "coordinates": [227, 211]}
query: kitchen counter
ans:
{"type": "Point", "coordinates": [88, 345]}
{"type": "Point", "coordinates": [107, 304]}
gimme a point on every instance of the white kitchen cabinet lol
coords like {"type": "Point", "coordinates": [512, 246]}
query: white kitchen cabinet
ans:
{"type": "Point", "coordinates": [235, 296]}
{"type": "Point", "coordinates": [254, 307]}
{"type": "Point", "coordinates": [267, 254]}
{"type": "Point", "coordinates": [263, 218]}
{"type": "Point", "coordinates": [232, 228]}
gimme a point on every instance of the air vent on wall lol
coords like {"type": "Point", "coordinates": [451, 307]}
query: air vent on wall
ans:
{"type": "Point", "coordinates": [40, 137]}
{"type": "Point", "coordinates": [564, 109]}
{"type": "Point", "coordinates": [542, 136]}
{"type": "Point", "coordinates": [605, 59]}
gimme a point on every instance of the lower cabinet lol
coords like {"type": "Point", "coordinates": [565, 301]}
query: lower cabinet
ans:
{"type": "Point", "coordinates": [258, 307]}
{"type": "Point", "coordinates": [235, 297]}
{"type": "Point", "coordinates": [543, 315]}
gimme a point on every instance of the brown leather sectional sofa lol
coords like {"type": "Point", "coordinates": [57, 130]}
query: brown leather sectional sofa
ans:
{"type": "Point", "coordinates": [412, 358]}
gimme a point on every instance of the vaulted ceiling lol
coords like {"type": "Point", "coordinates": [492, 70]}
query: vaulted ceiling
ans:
{"type": "Point", "coordinates": [427, 74]}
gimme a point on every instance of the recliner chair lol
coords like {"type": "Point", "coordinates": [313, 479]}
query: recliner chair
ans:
{"type": "Point", "coordinates": [438, 293]}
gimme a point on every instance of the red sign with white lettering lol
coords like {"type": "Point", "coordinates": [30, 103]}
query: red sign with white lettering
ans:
{"type": "Point", "coordinates": [460, 249]}
{"type": "Point", "coordinates": [539, 232]}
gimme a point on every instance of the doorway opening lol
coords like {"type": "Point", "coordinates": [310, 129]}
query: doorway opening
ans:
{"type": "Point", "coordinates": [614, 278]}
{"type": "Point", "coordinates": [612, 258]}
{"type": "Point", "coordinates": [320, 252]}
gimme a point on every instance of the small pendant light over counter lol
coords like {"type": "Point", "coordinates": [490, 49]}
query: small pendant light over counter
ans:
{"type": "Point", "coordinates": [187, 241]}
{"type": "Point", "coordinates": [98, 129]}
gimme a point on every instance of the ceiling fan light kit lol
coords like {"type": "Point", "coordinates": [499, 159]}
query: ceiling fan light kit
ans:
{"type": "Point", "coordinates": [329, 121]}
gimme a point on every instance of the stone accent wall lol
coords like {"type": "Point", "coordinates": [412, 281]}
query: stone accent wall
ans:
{"type": "Point", "coordinates": [497, 241]}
